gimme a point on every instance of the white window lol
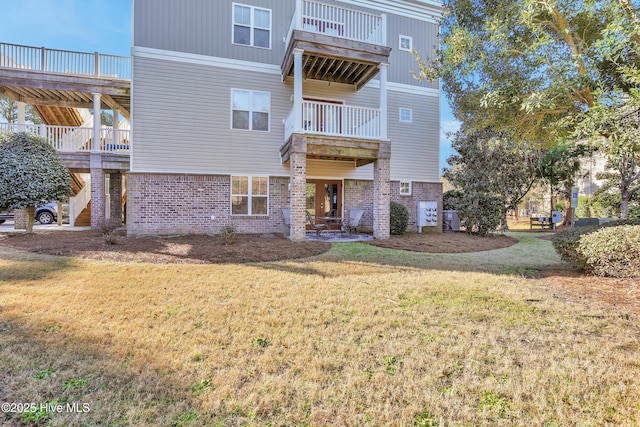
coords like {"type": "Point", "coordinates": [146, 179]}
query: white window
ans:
{"type": "Point", "coordinates": [406, 43]}
{"type": "Point", "coordinates": [249, 195]}
{"type": "Point", "coordinates": [250, 109]}
{"type": "Point", "coordinates": [251, 26]}
{"type": "Point", "coordinates": [405, 188]}
{"type": "Point", "coordinates": [406, 115]}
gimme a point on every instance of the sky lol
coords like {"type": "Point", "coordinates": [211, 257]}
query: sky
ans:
{"type": "Point", "coordinates": [105, 26]}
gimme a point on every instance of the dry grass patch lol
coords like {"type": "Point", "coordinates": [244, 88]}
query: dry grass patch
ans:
{"type": "Point", "coordinates": [358, 336]}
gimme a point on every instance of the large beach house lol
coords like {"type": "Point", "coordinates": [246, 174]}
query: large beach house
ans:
{"type": "Point", "coordinates": [243, 109]}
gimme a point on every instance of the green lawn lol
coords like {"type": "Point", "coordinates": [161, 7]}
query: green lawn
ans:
{"type": "Point", "coordinates": [358, 336]}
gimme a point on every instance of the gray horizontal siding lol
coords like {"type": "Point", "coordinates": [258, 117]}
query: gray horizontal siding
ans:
{"type": "Point", "coordinates": [181, 124]}
{"type": "Point", "coordinates": [204, 27]}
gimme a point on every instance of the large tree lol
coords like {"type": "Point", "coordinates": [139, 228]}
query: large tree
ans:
{"type": "Point", "coordinates": [544, 58]}
{"type": "Point", "coordinates": [31, 174]}
{"type": "Point", "coordinates": [494, 175]}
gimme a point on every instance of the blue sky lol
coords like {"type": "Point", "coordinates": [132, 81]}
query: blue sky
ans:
{"type": "Point", "coordinates": [104, 26]}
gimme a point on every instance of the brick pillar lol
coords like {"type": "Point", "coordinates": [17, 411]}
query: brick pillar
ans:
{"type": "Point", "coordinates": [115, 196]}
{"type": "Point", "coordinates": [298, 180]}
{"type": "Point", "coordinates": [381, 198]}
{"type": "Point", "coordinates": [97, 190]}
{"type": "Point", "coordinates": [20, 219]}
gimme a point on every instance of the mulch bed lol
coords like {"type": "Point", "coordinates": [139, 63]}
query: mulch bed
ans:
{"type": "Point", "coordinates": [450, 242]}
{"type": "Point", "coordinates": [193, 249]}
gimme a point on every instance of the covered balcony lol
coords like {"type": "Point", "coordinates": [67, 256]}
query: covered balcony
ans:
{"type": "Point", "coordinates": [340, 45]}
{"type": "Point", "coordinates": [336, 132]}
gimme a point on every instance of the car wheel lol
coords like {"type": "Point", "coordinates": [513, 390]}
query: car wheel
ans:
{"type": "Point", "coordinates": [45, 217]}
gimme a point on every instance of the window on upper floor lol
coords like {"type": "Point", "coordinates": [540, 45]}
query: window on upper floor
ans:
{"type": "Point", "coordinates": [250, 109]}
{"type": "Point", "coordinates": [249, 195]}
{"type": "Point", "coordinates": [406, 115]}
{"type": "Point", "coordinates": [405, 188]}
{"type": "Point", "coordinates": [406, 43]}
{"type": "Point", "coordinates": [251, 26]}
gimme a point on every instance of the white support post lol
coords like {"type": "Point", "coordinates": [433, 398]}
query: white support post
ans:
{"type": "Point", "coordinates": [43, 130]}
{"type": "Point", "coordinates": [116, 126]}
{"type": "Point", "coordinates": [95, 141]}
{"type": "Point", "coordinates": [298, 15]}
{"type": "Point", "coordinates": [383, 100]}
{"type": "Point", "coordinates": [22, 116]}
{"type": "Point", "coordinates": [297, 90]}
{"type": "Point", "coordinates": [383, 30]}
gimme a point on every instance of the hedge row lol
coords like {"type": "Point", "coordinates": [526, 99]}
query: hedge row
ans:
{"type": "Point", "coordinates": [611, 249]}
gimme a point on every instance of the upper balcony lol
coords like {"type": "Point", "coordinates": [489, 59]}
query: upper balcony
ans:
{"type": "Point", "coordinates": [340, 45]}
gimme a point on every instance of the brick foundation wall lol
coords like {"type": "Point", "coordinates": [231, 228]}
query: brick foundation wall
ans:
{"type": "Point", "coordinates": [359, 194]}
{"type": "Point", "coordinates": [184, 204]}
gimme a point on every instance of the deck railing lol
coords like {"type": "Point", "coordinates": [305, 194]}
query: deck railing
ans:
{"type": "Point", "coordinates": [64, 61]}
{"type": "Point", "coordinates": [339, 22]}
{"type": "Point", "coordinates": [330, 119]}
{"type": "Point", "coordinates": [69, 139]}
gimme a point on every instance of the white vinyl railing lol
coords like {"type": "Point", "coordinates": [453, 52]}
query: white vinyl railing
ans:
{"type": "Point", "coordinates": [79, 202]}
{"type": "Point", "coordinates": [64, 61]}
{"type": "Point", "coordinates": [336, 120]}
{"type": "Point", "coordinates": [71, 139]}
{"type": "Point", "coordinates": [339, 22]}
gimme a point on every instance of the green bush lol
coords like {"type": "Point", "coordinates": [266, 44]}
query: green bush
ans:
{"type": "Point", "coordinates": [611, 249]}
{"type": "Point", "coordinates": [451, 200]}
{"type": "Point", "coordinates": [399, 218]}
{"type": "Point", "coordinates": [479, 213]}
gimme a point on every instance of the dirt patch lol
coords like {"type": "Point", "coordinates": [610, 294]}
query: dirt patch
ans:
{"type": "Point", "coordinates": [179, 250]}
{"type": "Point", "coordinates": [622, 294]}
{"type": "Point", "coordinates": [451, 243]}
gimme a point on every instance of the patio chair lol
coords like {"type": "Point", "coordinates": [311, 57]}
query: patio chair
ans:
{"type": "Point", "coordinates": [286, 214]}
{"type": "Point", "coordinates": [352, 222]}
{"type": "Point", "coordinates": [315, 225]}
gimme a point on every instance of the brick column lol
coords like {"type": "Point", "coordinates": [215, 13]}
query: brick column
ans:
{"type": "Point", "coordinates": [20, 219]}
{"type": "Point", "coordinates": [97, 190]}
{"type": "Point", "coordinates": [381, 198]}
{"type": "Point", "coordinates": [115, 196]}
{"type": "Point", "coordinates": [298, 182]}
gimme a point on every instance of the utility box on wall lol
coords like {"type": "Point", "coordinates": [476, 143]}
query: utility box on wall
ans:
{"type": "Point", "coordinates": [427, 215]}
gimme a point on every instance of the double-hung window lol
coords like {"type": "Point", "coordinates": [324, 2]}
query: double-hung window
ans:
{"type": "Point", "coordinates": [250, 109]}
{"type": "Point", "coordinates": [405, 188]}
{"type": "Point", "coordinates": [251, 26]}
{"type": "Point", "coordinates": [249, 195]}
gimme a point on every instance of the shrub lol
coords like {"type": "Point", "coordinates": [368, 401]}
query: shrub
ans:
{"type": "Point", "coordinates": [480, 213]}
{"type": "Point", "coordinates": [451, 200]}
{"type": "Point", "coordinates": [399, 218]}
{"type": "Point", "coordinates": [611, 249]}
{"type": "Point", "coordinates": [228, 233]}
{"type": "Point", "coordinates": [108, 228]}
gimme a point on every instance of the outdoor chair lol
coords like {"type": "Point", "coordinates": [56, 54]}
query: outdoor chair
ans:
{"type": "Point", "coordinates": [316, 224]}
{"type": "Point", "coordinates": [352, 222]}
{"type": "Point", "coordinates": [286, 214]}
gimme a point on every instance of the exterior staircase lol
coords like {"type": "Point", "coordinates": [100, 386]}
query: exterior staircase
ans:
{"type": "Point", "coordinates": [84, 219]}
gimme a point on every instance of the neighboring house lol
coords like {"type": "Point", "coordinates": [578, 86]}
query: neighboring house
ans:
{"type": "Point", "coordinates": [243, 108]}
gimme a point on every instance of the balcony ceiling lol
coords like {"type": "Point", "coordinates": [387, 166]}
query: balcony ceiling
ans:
{"type": "Point", "coordinates": [56, 90]}
{"type": "Point", "coordinates": [335, 59]}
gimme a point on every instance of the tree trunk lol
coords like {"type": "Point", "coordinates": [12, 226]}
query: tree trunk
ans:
{"type": "Point", "coordinates": [624, 206]}
{"type": "Point", "coordinates": [30, 217]}
{"type": "Point", "coordinates": [504, 226]}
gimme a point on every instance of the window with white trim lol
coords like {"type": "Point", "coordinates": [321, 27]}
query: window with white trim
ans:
{"type": "Point", "coordinates": [406, 115]}
{"type": "Point", "coordinates": [249, 195]}
{"type": "Point", "coordinates": [405, 188]}
{"type": "Point", "coordinates": [250, 109]}
{"type": "Point", "coordinates": [405, 43]}
{"type": "Point", "coordinates": [251, 26]}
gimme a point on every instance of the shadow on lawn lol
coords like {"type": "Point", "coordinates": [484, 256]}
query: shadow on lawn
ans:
{"type": "Point", "coordinates": [526, 258]}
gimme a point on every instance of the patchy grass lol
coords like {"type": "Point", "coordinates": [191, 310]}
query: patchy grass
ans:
{"type": "Point", "coordinates": [357, 336]}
